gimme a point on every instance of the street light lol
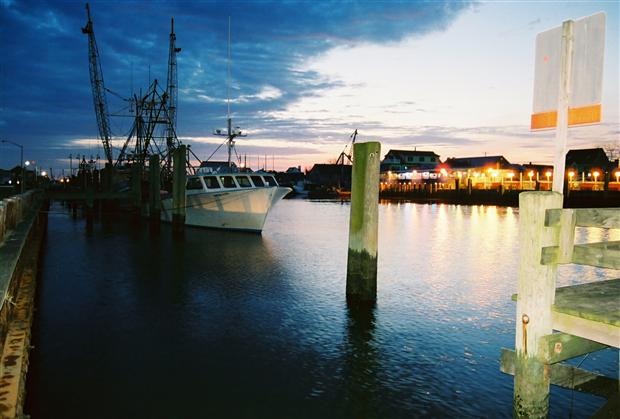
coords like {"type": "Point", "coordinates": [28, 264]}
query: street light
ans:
{"type": "Point", "coordinates": [571, 174]}
{"type": "Point", "coordinates": [530, 174]}
{"type": "Point", "coordinates": [596, 175]}
{"type": "Point", "coordinates": [21, 162]}
{"type": "Point", "coordinates": [548, 174]}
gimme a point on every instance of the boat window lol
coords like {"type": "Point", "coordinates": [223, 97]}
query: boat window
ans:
{"type": "Point", "coordinates": [193, 183]}
{"type": "Point", "coordinates": [228, 181]}
{"type": "Point", "coordinates": [258, 181]}
{"type": "Point", "coordinates": [271, 181]}
{"type": "Point", "coordinates": [211, 182]}
{"type": "Point", "coordinates": [243, 181]}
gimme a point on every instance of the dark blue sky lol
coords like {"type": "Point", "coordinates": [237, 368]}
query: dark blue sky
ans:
{"type": "Point", "coordinates": [45, 96]}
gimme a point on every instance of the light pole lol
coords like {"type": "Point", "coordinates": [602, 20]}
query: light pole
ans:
{"type": "Point", "coordinates": [548, 174]}
{"type": "Point", "coordinates": [596, 175]}
{"type": "Point", "coordinates": [22, 183]}
{"type": "Point", "coordinates": [530, 174]}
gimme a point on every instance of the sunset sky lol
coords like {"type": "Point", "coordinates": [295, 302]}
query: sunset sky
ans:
{"type": "Point", "coordinates": [451, 77]}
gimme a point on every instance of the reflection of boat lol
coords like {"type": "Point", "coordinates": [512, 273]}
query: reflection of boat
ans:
{"type": "Point", "coordinates": [233, 201]}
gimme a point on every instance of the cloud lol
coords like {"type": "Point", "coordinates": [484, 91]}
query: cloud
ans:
{"type": "Point", "coordinates": [44, 73]}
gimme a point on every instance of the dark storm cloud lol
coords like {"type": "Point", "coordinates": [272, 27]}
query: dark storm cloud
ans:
{"type": "Point", "coordinates": [45, 96]}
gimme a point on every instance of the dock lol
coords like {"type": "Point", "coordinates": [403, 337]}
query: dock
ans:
{"type": "Point", "coordinates": [557, 324]}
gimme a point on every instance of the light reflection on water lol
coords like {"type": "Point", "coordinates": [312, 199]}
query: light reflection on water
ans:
{"type": "Point", "coordinates": [237, 325]}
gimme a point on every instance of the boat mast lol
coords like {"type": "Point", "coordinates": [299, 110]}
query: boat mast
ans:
{"type": "Point", "coordinates": [230, 133]}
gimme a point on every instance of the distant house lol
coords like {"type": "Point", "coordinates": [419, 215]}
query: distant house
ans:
{"type": "Point", "coordinates": [330, 175]}
{"type": "Point", "coordinates": [409, 160]}
{"type": "Point", "coordinates": [588, 159]}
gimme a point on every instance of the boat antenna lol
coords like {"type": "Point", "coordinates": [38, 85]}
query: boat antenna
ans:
{"type": "Point", "coordinates": [229, 119]}
{"type": "Point", "coordinates": [231, 133]}
{"type": "Point", "coordinates": [228, 79]}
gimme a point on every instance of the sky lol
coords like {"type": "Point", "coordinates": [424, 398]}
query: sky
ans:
{"type": "Point", "coordinates": [451, 77]}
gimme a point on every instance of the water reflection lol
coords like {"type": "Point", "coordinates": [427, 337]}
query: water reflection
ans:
{"type": "Point", "coordinates": [360, 363]}
{"type": "Point", "coordinates": [223, 324]}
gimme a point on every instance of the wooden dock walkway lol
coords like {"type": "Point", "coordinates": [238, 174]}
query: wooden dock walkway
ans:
{"type": "Point", "coordinates": [557, 324]}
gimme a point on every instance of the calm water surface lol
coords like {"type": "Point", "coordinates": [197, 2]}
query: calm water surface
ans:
{"type": "Point", "coordinates": [219, 324]}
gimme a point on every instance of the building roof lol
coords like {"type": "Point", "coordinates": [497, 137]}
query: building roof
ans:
{"type": "Point", "coordinates": [587, 156]}
{"type": "Point", "coordinates": [330, 168]}
{"type": "Point", "coordinates": [471, 162]}
{"type": "Point", "coordinates": [412, 153]}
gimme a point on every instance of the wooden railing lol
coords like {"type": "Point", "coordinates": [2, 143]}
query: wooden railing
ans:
{"type": "Point", "coordinates": [585, 317]}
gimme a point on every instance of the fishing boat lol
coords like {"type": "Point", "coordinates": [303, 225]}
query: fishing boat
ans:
{"type": "Point", "coordinates": [231, 201]}
{"type": "Point", "coordinates": [222, 196]}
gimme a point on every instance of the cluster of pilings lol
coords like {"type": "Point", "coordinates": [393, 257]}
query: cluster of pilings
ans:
{"type": "Point", "coordinates": [142, 194]}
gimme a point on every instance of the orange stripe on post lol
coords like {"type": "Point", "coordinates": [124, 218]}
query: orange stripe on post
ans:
{"type": "Point", "coordinates": [544, 120]}
{"type": "Point", "coordinates": [576, 116]}
{"type": "Point", "coordinates": [584, 115]}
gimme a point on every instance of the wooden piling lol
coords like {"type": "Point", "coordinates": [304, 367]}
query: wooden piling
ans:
{"type": "Point", "coordinates": [536, 290]}
{"type": "Point", "coordinates": [178, 189]}
{"type": "Point", "coordinates": [363, 226]}
{"type": "Point", "coordinates": [136, 186]}
{"type": "Point", "coordinates": [107, 178]}
{"type": "Point", "coordinates": [154, 190]}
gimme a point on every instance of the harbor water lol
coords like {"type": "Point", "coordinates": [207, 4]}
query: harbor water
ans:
{"type": "Point", "coordinates": [131, 323]}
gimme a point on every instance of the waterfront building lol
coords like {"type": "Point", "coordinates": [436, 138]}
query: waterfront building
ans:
{"type": "Point", "coordinates": [409, 160]}
{"type": "Point", "coordinates": [588, 160]}
{"type": "Point", "coordinates": [410, 166]}
{"type": "Point", "coordinates": [484, 171]}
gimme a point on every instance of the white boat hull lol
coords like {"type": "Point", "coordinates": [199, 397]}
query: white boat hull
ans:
{"type": "Point", "coordinates": [237, 209]}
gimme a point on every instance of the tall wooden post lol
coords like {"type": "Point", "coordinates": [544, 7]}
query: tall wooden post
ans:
{"type": "Point", "coordinates": [536, 291]}
{"type": "Point", "coordinates": [363, 225]}
{"type": "Point", "coordinates": [561, 132]}
{"type": "Point", "coordinates": [107, 178]}
{"type": "Point", "coordinates": [136, 186]}
{"type": "Point", "coordinates": [154, 191]}
{"type": "Point", "coordinates": [178, 189]}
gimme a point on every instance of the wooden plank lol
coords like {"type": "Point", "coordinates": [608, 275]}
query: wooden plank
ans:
{"type": "Point", "coordinates": [567, 236]}
{"type": "Point", "coordinates": [587, 217]}
{"type": "Point", "coordinates": [559, 347]}
{"type": "Point", "coordinates": [604, 333]}
{"type": "Point", "coordinates": [597, 301]}
{"type": "Point", "coordinates": [601, 255]}
{"type": "Point", "coordinates": [567, 376]}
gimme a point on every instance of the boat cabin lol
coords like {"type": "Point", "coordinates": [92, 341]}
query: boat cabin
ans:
{"type": "Point", "coordinates": [212, 183]}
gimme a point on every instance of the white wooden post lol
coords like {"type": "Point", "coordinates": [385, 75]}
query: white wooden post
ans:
{"type": "Point", "coordinates": [536, 291]}
{"type": "Point", "coordinates": [561, 132]}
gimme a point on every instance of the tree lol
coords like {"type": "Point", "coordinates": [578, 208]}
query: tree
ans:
{"type": "Point", "coordinates": [612, 150]}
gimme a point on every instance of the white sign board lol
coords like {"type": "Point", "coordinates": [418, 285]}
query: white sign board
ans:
{"type": "Point", "coordinates": [586, 75]}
